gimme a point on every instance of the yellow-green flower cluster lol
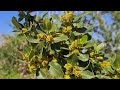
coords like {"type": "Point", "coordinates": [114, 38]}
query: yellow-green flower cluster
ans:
{"type": "Point", "coordinates": [71, 70]}
{"type": "Point", "coordinates": [24, 30]}
{"type": "Point", "coordinates": [25, 56]}
{"type": "Point", "coordinates": [76, 71]}
{"type": "Point", "coordinates": [54, 60]}
{"type": "Point", "coordinates": [31, 68]}
{"type": "Point", "coordinates": [73, 45]}
{"type": "Point", "coordinates": [49, 38]}
{"type": "Point", "coordinates": [104, 64]}
{"type": "Point", "coordinates": [68, 17]}
{"type": "Point", "coordinates": [40, 36]}
{"type": "Point", "coordinates": [92, 56]}
{"type": "Point", "coordinates": [66, 29]}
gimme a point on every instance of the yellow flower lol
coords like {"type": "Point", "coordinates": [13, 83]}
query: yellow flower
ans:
{"type": "Point", "coordinates": [100, 58]}
{"type": "Point", "coordinates": [54, 60]}
{"type": "Point", "coordinates": [76, 67]}
{"type": "Point", "coordinates": [67, 77]}
{"type": "Point", "coordinates": [40, 36]}
{"type": "Point", "coordinates": [67, 72]}
{"type": "Point", "coordinates": [25, 56]}
{"type": "Point", "coordinates": [44, 63]}
{"type": "Point", "coordinates": [31, 68]}
{"type": "Point", "coordinates": [64, 30]}
{"type": "Point", "coordinates": [92, 54]}
{"type": "Point", "coordinates": [24, 30]}
{"type": "Point", "coordinates": [105, 64]}
{"type": "Point", "coordinates": [69, 28]}
{"type": "Point", "coordinates": [76, 72]}
{"type": "Point", "coordinates": [118, 70]}
{"type": "Point", "coordinates": [68, 66]}
{"type": "Point", "coordinates": [73, 45]}
{"type": "Point", "coordinates": [49, 38]}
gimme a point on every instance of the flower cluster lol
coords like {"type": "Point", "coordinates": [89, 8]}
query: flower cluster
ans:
{"type": "Point", "coordinates": [73, 45]}
{"type": "Point", "coordinates": [71, 70]}
{"type": "Point", "coordinates": [68, 17]}
{"type": "Point", "coordinates": [105, 64]}
{"type": "Point", "coordinates": [47, 38]}
{"type": "Point", "coordinates": [66, 29]}
{"type": "Point", "coordinates": [24, 30]}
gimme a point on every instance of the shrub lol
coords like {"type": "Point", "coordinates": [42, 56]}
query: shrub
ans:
{"type": "Point", "coordinates": [62, 48]}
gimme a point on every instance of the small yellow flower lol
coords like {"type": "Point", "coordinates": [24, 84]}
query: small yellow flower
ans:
{"type": "Point", "coordinates": [92, 60]}
{"type": "Point", "coordinates": [76, 72]}
{"type": "Point", "coordinates": [67, 77]}
{"type": "Point", "coordinates": [73, 45]}
{"type": "Point", "coordinates": [44, 63]}
{"type": "Point", "coordinates": [68, 66]}
{"type": "Point", "coordinates": [40, 36]}
{"type": "Point", "coordinates": [76, 67]}
{"type": "Point", "coordinates": [31, 68]}
{"type": "Point", "coordinates": [105, 64]}
{"type": "Point", "coordinates": [64, 30]}
{"type": "Point", "coordinates": [92, 54]}
{"type": "Point", "coordinates": [25, 56]}
{"type": "Point", "coordinates": [69, 28]}
{"type": "Point", "coordinates": [67, 72]}
{"type": "Point", "coordinates": [24, 30]}
{"type": "Point", "coordinates": [49, 38]}
{"type": "Point", "coordinates": [100, 58]}
{"type": "Point", "coordinates": [54, 60]}
{"type": "Point", "coordinates": [118, 70]}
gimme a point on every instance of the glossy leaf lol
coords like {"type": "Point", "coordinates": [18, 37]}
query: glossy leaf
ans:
{"type": "Point", "coordinates": [87, 74]}
{"type": "Point", "coordinates": [83, 57]}
{"type": "Point", "coordinates": [56, 69]}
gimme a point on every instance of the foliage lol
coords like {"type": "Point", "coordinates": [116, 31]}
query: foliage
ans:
{"type": "Point", "coordinates": [63, 49]}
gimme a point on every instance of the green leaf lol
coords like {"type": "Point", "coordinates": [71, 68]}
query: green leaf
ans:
{"type": "Point", "coordinates": [73, 59]}
{"type": "Point", "coordinates": [56, 69]}
{"type": "Point", "coordinates": [55, 16]}
{"type": "Point", "coordinates": [31, 54]}
{"type": "Point", "coordinates": [80, 16]}
{"type": "Point", "coordinates": [27, 49]}
{"type": "Point", "coordinates": [33, 40]}
{"type": "Point", "coordinates": [54, 28]}
{"type": "Point", "coordinates": [76, 33]}
{"type": "Point", "coordinates": [83, 57]}
{"type": "Point", "coordinates": [99, 47]}
{"type": "Point", "coordinates": [44, 14]}
{"type": "Point", "coordinates": [116, 64]}
{"type": "Point", "coordinates": [111, 58]}
{"type": "Point", "coordinates": [87, 74]}
{"type": "Point", "coordinates": [83, 40]}
{"type": "Point", "coordinates": [15, 22]}
{"type": "Point", "coordinates": [48, 24]}
{"type": "Point", "coordinates": [68, 55]}
{"type": "Point", "coordinates": [88, 45]}
{"type": "Point", "coordinates": [43, 74]}
{"type": "Point", "coordinates": [60, 38]}
{"type": "Point", "coordinates": [42, 26]}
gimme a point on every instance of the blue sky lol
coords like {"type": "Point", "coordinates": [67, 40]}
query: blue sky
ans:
{"type": "Point", "coordinates": [5, 20]}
